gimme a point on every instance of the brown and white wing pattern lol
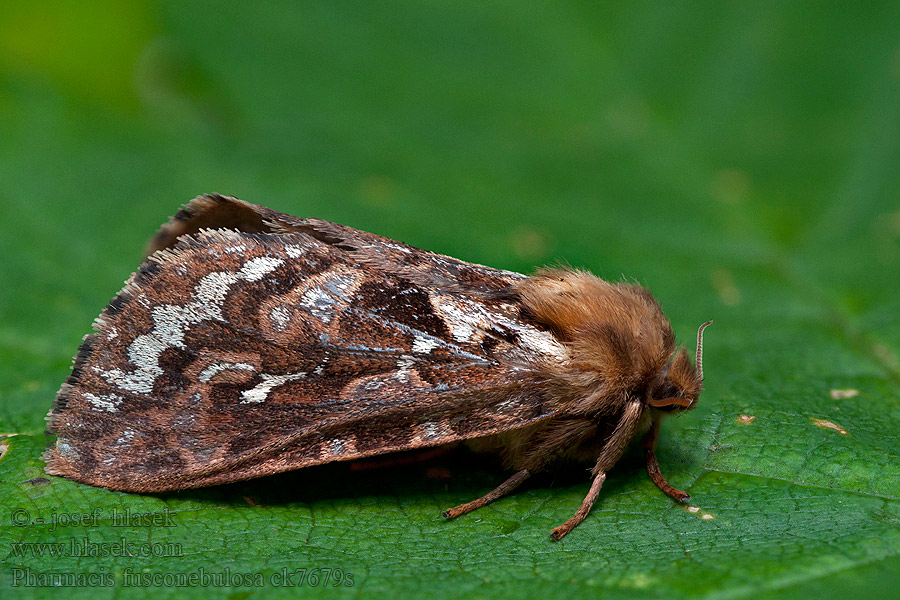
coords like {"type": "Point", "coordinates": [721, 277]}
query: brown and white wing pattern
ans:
{"type": "Point", "coordinates": [236, 354]}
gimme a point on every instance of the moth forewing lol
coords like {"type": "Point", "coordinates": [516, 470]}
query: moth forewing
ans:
{"type": "Point", "coordinates": [252, 342]}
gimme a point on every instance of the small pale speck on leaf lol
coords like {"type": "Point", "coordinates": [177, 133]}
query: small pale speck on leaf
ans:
{"type": "Point", "coordinates": [843, 394]}
{"type": "Point", "coordinates": [696, 509]}
{"type": "Point", "coordinates": [639, 581]}
{"type": "Point", "coordinates": [746, 419]}
{"type": "Point", "coordinates": [830, 425]}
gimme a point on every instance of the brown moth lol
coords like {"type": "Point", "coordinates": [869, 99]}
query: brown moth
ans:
{"type": "Point", "coordinates": [252, 342]}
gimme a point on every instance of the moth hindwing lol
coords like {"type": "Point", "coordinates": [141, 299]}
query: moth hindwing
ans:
{"type": "Point", "coordinates": [252, 342]}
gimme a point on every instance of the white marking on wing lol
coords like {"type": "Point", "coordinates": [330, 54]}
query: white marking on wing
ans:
{"type": "Point", "coordinates": [424, 345]}
{"type": "Point", "coordinates": [470, 321]}
{"type": "Point", "coordinates": [211, 371]}
{"type": "Point", "coordinates": [321, 366]}
{"type": "Point", "coordinates": [321, 300]}
{"type": "Point", "coordinates": [259, 267]}
{"type": "Point", "coordinates": [281, 316]}
{"type": "Point", "coordinates": [509, 404]}
{"type": "Point", "coordinates": [429, 430]}
{"type": "Point", "coordinates": [341, 446]}
{"type": "Point", "coordinates": [373, 316]}
{"type": "Point", "coordinates": [463, 324]}
{"type": "Point", "coordinates": [260, 391]}
{"type": "Point", "coordinates": [541, 342]}
{"type": "Point", "coordinates": [373, 384]}
{"type": "Point", "coordinates": [171, 322]}
{"type": "Point", "coordinates": [107, 402]}
{"type": "Point", "coordinates": [125, 438]}
{"type": "Point", "coordinates": [397, 247]}
{"type": "Point", "coordinates": [295, 251]}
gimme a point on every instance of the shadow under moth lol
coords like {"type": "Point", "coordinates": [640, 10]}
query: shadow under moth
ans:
{"type": "Point", "coordinates": [252, 342]}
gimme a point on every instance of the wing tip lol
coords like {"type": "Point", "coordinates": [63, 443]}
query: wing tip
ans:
{"type": "Point", "coordinates": [207, 211]}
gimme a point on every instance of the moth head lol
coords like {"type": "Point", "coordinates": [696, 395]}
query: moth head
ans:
{"type": "Point", "coordinates": [680, 383]}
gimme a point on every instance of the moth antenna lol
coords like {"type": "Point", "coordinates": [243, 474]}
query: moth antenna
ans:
{"type": "Point", "coordinates": [699, 360]}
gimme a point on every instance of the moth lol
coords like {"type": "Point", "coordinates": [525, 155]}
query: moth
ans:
{"type": "Point", "coordinates": [252, 342]}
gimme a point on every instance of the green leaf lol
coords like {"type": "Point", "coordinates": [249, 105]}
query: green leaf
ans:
{"type": "Point", "coordinates": [738, 159]}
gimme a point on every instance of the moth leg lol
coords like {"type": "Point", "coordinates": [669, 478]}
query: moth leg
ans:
{"type": "Point", "coordinates": [611, 452]}
{"type": "Point", "coordinates": [583, 510]}
{"type": "Point", "coordinates": [649, 444]}
{"type": "Point", "coordinates": [500, 491]}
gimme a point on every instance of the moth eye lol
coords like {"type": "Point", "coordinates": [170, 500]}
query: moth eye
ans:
{"type": "Point", "coordinates": [667, 390]}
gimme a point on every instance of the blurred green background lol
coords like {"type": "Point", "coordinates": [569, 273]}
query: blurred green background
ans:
{"type": "Point", "coordinates": [740, 159]}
